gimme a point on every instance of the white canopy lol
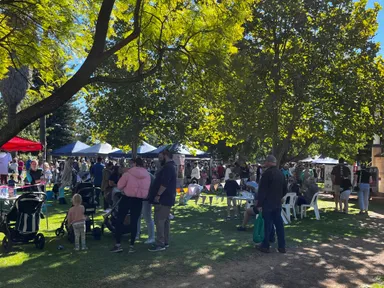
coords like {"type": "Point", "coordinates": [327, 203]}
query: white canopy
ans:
{"type": "Point", "coordinates": [101, 149]}
{"type": "Point", "coordinates": [326, 160]}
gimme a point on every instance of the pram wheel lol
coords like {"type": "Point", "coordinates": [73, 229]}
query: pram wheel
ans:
{"type": "Point", "coordinates": [7, 244]}
{"type": "Point", "coordinates": [59, 232]}
{"type": "Point", "coordinates": [39, 241]}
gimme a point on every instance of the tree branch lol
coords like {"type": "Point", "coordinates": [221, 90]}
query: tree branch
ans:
{"type": "Point", "coordinates": [135, 33]}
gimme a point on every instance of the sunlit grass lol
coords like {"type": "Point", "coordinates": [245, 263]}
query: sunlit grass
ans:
{"type": "Point", "coordinates": [200, 235]}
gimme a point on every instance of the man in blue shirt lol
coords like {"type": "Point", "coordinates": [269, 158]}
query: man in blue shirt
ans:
{"type": "Point", "coordinates": [97, 173]}
{"type": "Point", "coordinates": [163, 195]}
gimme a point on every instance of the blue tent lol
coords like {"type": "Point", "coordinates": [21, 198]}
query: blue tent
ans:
{"type": "Point", "coordinates": [69, 149]}
{"type": "Point", "coordinates": [140, 150]}
{"type": "Point", "coordinates": [178, 149]}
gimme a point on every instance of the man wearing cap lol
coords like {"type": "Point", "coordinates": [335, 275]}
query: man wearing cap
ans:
{"type": "Point", "coordinates": [272, 188]}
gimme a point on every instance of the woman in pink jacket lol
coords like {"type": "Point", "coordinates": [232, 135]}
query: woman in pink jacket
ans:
{"type": "Point", "coordinates": [134, 185]}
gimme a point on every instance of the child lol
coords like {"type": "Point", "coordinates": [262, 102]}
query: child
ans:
{"type": "Point", "coordinates": [345, 188]}
{"type": "Point", "coordinates": [47, 172]}
{"type": "Point", "coordinates": [76, 218]}
{"type": "Point", "coordinates": [12, 182]}
{"type": "Point", "coordinates": [231, 187]}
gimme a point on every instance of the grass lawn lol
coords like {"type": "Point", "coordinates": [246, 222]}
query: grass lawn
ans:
{"type": "Point", "coordinates": [200, 236]}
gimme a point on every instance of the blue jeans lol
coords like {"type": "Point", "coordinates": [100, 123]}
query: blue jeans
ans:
{"type": "Point", "coordinates": [272, 220]}
{"type": "Point", "coordinates": [364, 196]}
{"type": "Point", "coordinates": [147, 215]}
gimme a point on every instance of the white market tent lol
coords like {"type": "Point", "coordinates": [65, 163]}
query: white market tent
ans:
{"type": "Point", "coordinates": [326, 160]}
{"type": "Point", "coordinates": [307, 160]}
{"type": "Point", "coordinates": [101, 149]}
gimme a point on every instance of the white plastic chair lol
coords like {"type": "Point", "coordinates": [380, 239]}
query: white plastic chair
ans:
{"type": "Point", "coordinates": [291, 204]}
{"type": "Point", "coordinates": [313, 205]}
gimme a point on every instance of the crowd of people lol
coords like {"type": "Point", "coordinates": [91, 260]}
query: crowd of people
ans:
{"type": "Point", "coordinates": [146, 183]}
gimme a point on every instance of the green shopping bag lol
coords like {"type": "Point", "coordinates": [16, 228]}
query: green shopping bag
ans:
{"type": "Point", "coordinates": [258, 229]}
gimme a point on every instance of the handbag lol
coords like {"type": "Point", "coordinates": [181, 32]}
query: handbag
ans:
{"type": "Point", "coordinates": [258, 229]}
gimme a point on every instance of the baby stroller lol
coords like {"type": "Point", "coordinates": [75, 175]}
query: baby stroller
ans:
{"type": "Point", "coordinates": [21, 223]}
{"type": "Point", "coordinates": [87, 192]}
{"type": "Point", "coordinates": [110, 218]}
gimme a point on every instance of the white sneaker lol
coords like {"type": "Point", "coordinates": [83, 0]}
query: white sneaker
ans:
{"type": "Point", "coordinates": [150, 241]}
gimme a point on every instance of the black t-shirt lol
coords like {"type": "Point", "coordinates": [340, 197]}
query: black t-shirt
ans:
{"type": "Point", "coordinates": [35, 175]}
{"type": "Point", "coordinates": [340, 172]}
{"type": "Point", "coordinates": [231, 187]}
{"type": "Point", "coordinates": [365, 175]}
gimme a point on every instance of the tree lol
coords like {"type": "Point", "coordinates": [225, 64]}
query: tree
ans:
{"type": "Point", "coordinates": [149, 32]}
{"type": "Point", "coordinates": [14, 88]}
{"type": "Point", "coordinates": [306, 74]}
{"type": "Point", "coordinates": [61, 125]}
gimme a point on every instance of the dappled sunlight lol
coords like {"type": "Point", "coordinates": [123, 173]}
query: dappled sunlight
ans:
{"type": "Point", "coordinates": [202, 245]}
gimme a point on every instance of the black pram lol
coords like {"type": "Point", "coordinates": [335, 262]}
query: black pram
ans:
{"type": "Point", "coordinates": [110, 218]}
{"type": "Point", "coordinates": [21, 224]}
{"type": "Point", "coordinates": [87, 192]}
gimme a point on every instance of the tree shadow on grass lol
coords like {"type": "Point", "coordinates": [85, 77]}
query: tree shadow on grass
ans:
{"type": "Point", "coordinates": [201, 238]}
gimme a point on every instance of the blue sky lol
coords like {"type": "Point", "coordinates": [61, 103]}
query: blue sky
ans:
{"type": "Point", "coordinates": [380, 33]}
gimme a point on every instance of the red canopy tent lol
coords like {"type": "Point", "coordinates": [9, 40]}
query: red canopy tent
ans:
{"type": "Point", "coordinates": [22, 145]}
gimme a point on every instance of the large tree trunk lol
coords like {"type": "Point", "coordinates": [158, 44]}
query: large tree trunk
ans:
{"type": "Point", "coordinates": [81, 78]}
{"type": "Point", "coordinates": [134, 149]}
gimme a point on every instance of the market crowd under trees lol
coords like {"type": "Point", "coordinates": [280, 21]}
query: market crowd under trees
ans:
{"type": "Point", "coordinates": [294, 77]}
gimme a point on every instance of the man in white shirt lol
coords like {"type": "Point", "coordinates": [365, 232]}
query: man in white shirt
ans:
{"type": "Point", "coordinates": [227, 172]}
{"type": "Point", "coordinates": [195, 172]}
{"type": "Point", "coordinates": [14, 166]}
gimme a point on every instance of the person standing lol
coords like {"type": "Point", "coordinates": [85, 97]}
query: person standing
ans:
{"type": "Point", "coordinates": [227, 172]}
{"type": "Point", "coordinates": [14, 166]}
{"type": "Point", "coordinates": [220, 171]}
{"type": "Point", "coordinates": [20, 168]}
{"type": "Point", "coordinates": [163, 195]}
{"type": "Point", "coordinates": [135, 185]}
{"type": "Point", "coordinates": [188, 173]}
{"type": "Point", "coordinates": [338, 174]}
{"type": "Point", "coordinates": [107, 172]}
{"type": "Point", "coordinates": [272, 189]}
{"type": "Point", "coordinates": [5, 158]}
{"type": "Point", "coordinates": [364, 177]}
{"type": "Point", "coordinates": [28, 164]}
{"type": "Point", "coordinates": [195, 175]}
{"type": "Point", "coordinates": [97, 173]}
{"type": "Point", "coordinates": [259, 171]}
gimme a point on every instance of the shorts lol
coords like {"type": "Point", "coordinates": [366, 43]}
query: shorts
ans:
{"type": "Point", "coordinates": [345, 195]}
{"type": "Point", "coordinates": [336, 189]}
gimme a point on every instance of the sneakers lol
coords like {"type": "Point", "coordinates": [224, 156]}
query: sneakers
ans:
{"type": "Point", "coordinates": [84, 248]}
{"type": "Point", "coordinates": [263, 249]}
{"type": "Point", "coordinates": [150, 241]}
{"type": "Point", "coordinates": [241, 228]}
{"type": "Point", "coordinates": [77, 249]}
{"type": "Point", "coordinates": [131, 249]}
{"type": "Point", "coordinates": [116, 249]}
{"type": "Point", "coordinates": [156, 249]}
{"type": "Point", "coordinates": [166, 246]}
{"type": "Point", "coordinates": [282, 250]}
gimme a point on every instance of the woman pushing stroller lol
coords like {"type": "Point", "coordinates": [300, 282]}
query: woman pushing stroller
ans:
{"type": "Point", "coordinates": [135, 184]}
